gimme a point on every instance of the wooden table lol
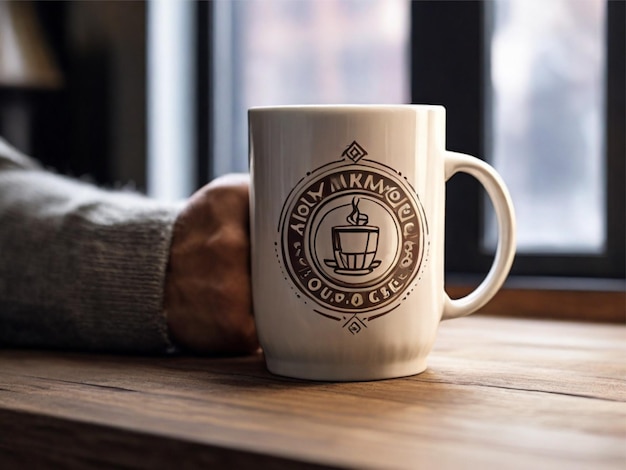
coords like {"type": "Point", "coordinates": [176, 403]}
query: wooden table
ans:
{"type": "Point", "coordinates": [499, 393]}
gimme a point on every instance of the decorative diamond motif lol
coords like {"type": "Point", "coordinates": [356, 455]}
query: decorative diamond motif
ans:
{"type": "Point", "coordinates": [354, 324]}
{"type": "Point", "coordinates": [354, 152]}
{"type": "Point", "coordinates": [354, 328]}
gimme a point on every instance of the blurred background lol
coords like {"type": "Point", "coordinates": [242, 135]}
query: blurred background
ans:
{"type": "Point", "coordinates": [155, 94]}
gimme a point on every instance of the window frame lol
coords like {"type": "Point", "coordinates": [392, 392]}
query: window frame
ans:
{"type": "Point", "coordinates": [566, 287]}
{"type": "Point", "coordinates": [205, 116]}
{"type": "Point", "coordinates": [451, 71]}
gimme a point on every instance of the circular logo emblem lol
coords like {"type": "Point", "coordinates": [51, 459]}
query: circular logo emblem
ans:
{"type": "Point", "coordinates": [352, 238]}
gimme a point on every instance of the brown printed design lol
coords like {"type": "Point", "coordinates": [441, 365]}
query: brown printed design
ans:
{"type": "Point", "coordinates": [352, 238]}
{"type": "Point", "coordinates": [354, 245]}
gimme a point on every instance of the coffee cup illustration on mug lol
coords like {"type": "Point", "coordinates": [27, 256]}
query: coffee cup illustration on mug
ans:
{"type": "Point", "coordinates": [354, 245]}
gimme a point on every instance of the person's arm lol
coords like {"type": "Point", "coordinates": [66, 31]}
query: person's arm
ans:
{"type": "Point", "coordinates": [83, 268]}
{"type": "Point", "coordinates": [80, 267]}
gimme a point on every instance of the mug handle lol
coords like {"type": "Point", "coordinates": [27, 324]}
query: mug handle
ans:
{"type": "Point", "coordinates": [499, 195]}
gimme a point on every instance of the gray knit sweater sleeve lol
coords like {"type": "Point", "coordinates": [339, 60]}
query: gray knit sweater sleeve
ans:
{"type": "Point", "coordinates": [80, 267]}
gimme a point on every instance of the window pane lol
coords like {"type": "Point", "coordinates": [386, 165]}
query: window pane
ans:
{"type": "Point", "coordinates": [548, 75]}
{"type": "Point", "coordinates": [305, 52]}
{"type": "Point", "coordinates": [170, 99]}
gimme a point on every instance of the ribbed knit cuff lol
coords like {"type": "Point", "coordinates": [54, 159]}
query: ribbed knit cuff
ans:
{"type": "Point", "coordinates": [81, 268]}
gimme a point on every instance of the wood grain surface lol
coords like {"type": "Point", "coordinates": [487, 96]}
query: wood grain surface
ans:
{"type": "Point", "coordinates": [498, 393]}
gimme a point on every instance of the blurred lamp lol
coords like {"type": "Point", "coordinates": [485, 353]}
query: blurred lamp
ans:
{"type": "Point", "coordinates": [26, 60]}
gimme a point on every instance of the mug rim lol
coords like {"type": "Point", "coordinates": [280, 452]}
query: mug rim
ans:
{"type": "Point", "coordinates": [346, 107]}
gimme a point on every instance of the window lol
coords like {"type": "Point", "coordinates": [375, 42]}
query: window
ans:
{"type": "Point", "coordinates": [170, 97]}
{"type": "Point", "coordinates": [547, 74]}
{"type": "Point", "coordinates": [457, 70]}
{"type": "Point", "coordinates": [301, 52]}
{"type": "Point", "coordinates": [453, 53]}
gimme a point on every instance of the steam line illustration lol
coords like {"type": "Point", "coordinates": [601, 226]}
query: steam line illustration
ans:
{"type": "Point", "coordinates": [356, 217]}
{"type": "Point", "coordinates": [354, 245]}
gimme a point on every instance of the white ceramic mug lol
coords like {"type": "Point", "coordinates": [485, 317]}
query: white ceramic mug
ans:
{"type": "Point", "coordinates": [347, 233]}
